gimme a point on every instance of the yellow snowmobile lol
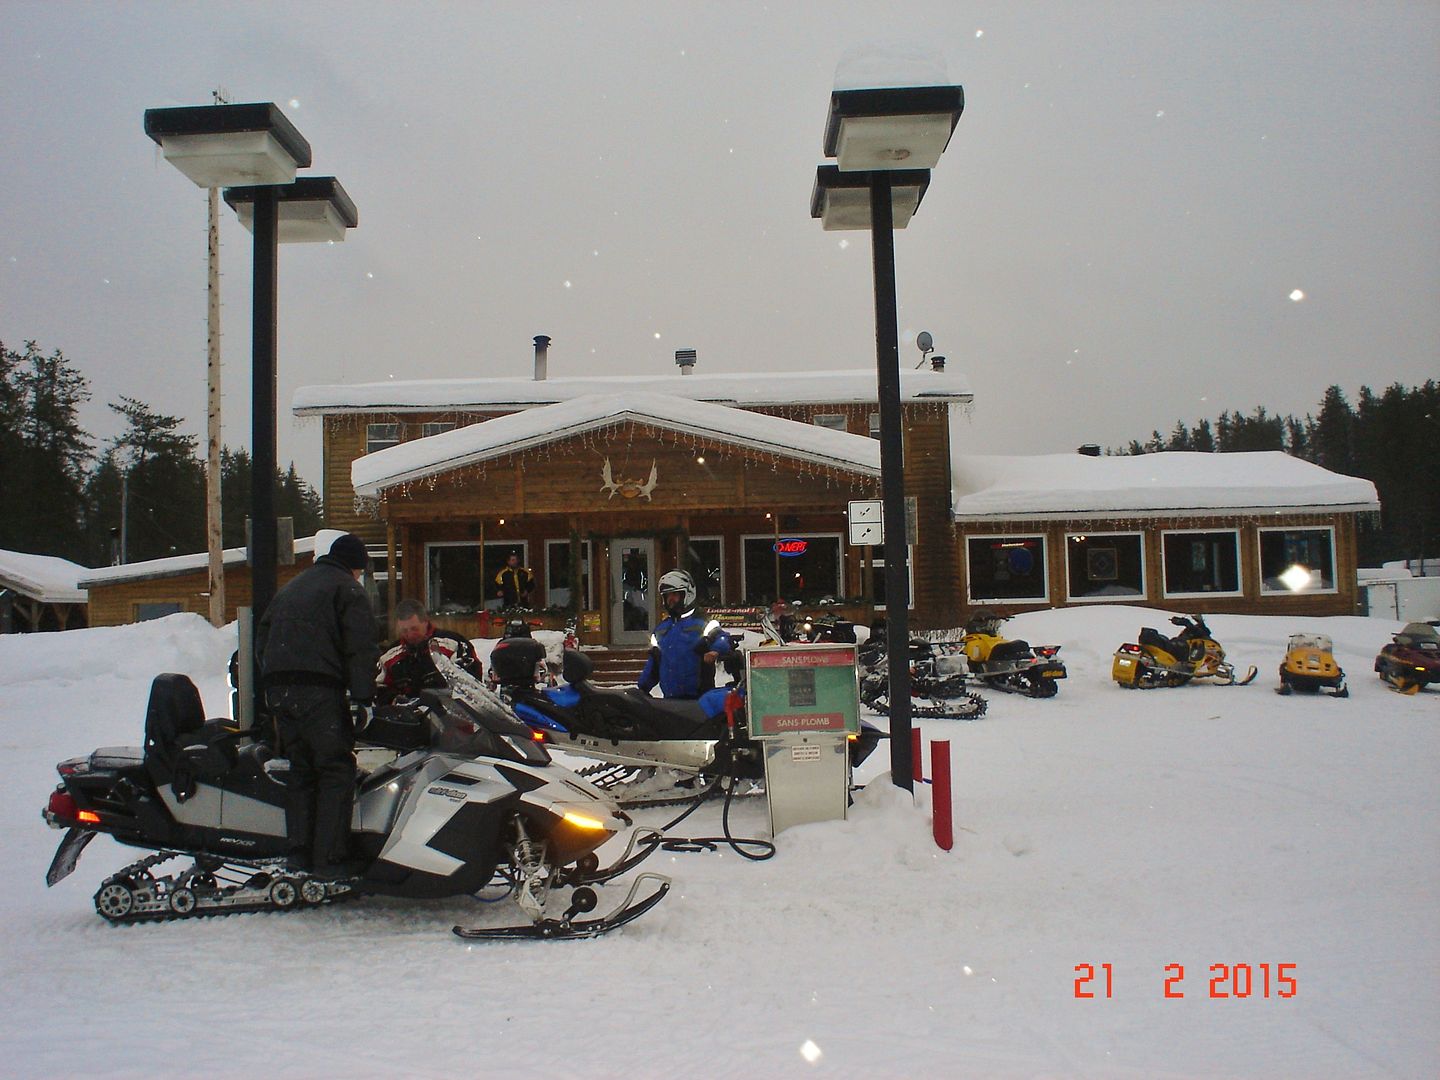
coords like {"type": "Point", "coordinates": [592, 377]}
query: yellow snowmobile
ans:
{"type": "Point", "coordinates": [1310, 666]}
{"type": "Point", "coordinates": [1016, 667]}
{"type": "Point", "coordinates": [1157, 660]}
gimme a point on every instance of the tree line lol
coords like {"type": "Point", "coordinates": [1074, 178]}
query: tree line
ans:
{"type": "Point", "coordinates": [1390, 439]}
{"type": "Point", "coordinates": [60, 495]}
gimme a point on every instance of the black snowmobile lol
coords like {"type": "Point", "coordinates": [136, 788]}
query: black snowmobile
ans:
{"type": "Point", "coordinates": [938, 679]}
{"type": "Point", "coordinates": [469, 799]}
{"type": "Point", "coordinates": [652, 750]}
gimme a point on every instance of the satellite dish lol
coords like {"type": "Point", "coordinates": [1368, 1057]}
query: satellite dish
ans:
{"type": "Point", "coordinates": [925, 342]}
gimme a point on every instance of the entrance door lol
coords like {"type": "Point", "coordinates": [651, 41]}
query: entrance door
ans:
{"type": "Point", "coordinates": [632, 592]}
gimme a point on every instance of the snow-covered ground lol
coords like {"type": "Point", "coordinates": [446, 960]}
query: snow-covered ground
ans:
{"type": "Point", "coordinates": [1193, 827]}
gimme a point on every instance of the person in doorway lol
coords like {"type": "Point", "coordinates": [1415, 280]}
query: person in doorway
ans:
{"type": "Point", "coordinates": [315, 642]}
{"type": "Point", "coordinates": [684, 647]}
{"type": "Point", "coordinates": [406, 664]}
{"type": "Point", "coordinates": [514, 583]}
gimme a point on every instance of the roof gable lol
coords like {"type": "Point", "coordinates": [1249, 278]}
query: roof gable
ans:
{"type": "Point", "coordinates": [420, 458]}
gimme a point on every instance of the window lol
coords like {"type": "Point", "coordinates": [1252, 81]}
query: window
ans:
{"type": "Point", "coordinates": [157, 610]}
{"type": "Point", "coordinates": [874, 425]}
{"type": "Point", "coordinates": [1297, 560]}
{"type": "Point", "coordinates": [460, 578]}
{"type": "Point", "coordinates": [1006, 568]}
{"type": "Point", "coordinates": [1201, 563]}
{"type": "Point", "coordinates": [436, 428]}
{"type": "Point", "coordinates": [1105, 566]}
{"type": "Point", "coordinates": [452, 578]}
{"type": "Point", "coordinates": [809, 573]}
{"type": "Point", "coordinates": [833, 421]}
{"type": "Point", "coordinates": [877, 560]}
{"type": "Point", "coordinates": [557, 575]}
{"type": "Point", "coordinates": [703, 561]}
{"type": "Point", "coordinates": [379, 436]}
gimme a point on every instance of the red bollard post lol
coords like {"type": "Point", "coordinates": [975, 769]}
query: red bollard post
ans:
{"type": "Point", "coordinates": [940, 794]}
{"type": "Point", "coordinates": [917, 766]}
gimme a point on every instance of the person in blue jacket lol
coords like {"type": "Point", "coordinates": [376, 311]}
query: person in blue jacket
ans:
{"type": "Point", "coordinates": [684, 647]}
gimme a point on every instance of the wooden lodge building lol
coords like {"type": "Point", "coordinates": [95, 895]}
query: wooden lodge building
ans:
{"type": "Point", "coordinates": [602, 484]}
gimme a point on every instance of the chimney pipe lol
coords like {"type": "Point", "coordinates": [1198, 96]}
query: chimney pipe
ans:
{"type": "Point", "coordinates": [937, 363]}
{"type": "Point", "coordinates": [542, 356]}
{"type": "Point", "coordinates": [1089, 449]}
{"type": "Point", "coordinates": [685, 360]}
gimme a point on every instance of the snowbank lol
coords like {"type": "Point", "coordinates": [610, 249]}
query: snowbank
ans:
{"type": "Point", "coordinates": [1140, 829]}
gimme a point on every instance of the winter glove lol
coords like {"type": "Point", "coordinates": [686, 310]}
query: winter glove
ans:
{"type": "Point", "coordinates": [361, 713]}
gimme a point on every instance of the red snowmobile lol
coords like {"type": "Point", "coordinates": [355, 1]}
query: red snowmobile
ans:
{"type": "Point", "coordinates": [1413, 659]}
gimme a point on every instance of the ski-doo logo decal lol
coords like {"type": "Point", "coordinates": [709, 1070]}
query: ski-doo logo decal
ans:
{"type": "Point", "coordinates": [449, 793]}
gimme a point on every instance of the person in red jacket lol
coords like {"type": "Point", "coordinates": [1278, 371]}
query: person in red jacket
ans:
{"type": "Point", "coordinates": [406, 667]}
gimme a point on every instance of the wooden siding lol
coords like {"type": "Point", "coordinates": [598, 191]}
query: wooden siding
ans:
{"type": "Point", "coordinates": [1250, 601]}
{"type": "Point", "coordinates": [118, 603]}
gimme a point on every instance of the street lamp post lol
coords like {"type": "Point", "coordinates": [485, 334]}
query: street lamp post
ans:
{"type": "Point", "coordinates": [885, 141]}
{"type": "Point", "coordinates": [254, 152]}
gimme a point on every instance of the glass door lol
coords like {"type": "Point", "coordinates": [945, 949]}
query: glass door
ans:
{"type": "Point", "coordinates": [632, 593]}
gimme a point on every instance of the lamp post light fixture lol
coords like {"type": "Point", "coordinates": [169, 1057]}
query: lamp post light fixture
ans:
{"type": "Point", "coordinates": [254, 152]}
{"type": "Point", "coordinates": [885, 140]}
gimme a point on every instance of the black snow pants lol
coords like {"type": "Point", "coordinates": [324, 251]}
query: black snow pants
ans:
{"type": "Point", "coordinates": [315, 734]}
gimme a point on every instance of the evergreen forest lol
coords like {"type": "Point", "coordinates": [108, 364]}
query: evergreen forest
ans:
{"type": "Point", "coordinates": [1390, 438]}
{"type": "Point", "coordinates": [62, 495]}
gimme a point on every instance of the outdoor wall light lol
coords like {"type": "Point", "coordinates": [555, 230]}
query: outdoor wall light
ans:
{"type": "Point", "coordinates": [229, 145]}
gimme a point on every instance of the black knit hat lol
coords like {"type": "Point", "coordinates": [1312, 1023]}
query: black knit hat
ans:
{"type": "Point", "coordinates": [349, 551]}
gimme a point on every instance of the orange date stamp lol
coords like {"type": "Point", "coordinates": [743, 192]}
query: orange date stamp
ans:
{"type": "Point", "coordinates": [1224, 982]}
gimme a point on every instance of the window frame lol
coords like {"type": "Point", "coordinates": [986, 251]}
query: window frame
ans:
{"type": "Point", "coordinates": [1165, 592]}
{"type": "Point", "coordinates": [371, 440]}
{"type": "Point", "coordinates": [587, 573]}
{"type": "Point", "coordinates": [1043, 598]}
{"type": "Point", "coordinates": [769, 538]}
{"type": "Point", "coordinates": [1071, 598]}
{"type": "Point", "coordinates": [439, 428]}
{"type": "Point", "coordinates": [1282, 591]}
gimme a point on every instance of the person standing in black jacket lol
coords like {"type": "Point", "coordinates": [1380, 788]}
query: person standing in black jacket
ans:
{"type": "Point", "coordinates": [315, 641]}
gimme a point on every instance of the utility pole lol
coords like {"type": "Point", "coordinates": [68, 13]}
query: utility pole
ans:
{"type": "Point", "coordinates": [213, 541]}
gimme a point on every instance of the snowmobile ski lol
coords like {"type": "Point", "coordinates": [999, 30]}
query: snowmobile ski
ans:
{"type": "Point", "coordinates": [568, 927]}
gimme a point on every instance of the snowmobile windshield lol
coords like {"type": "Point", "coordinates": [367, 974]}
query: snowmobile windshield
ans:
{"type": "Point", "coordinates": [478, 723]}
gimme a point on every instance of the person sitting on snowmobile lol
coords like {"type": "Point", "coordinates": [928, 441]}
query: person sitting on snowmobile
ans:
{"type": "Point", "coordinates": [315, 641]}
{"type": "Point", "coordinates": [684, 647]}
{"type": "Point", "coordinates": [405, 665]}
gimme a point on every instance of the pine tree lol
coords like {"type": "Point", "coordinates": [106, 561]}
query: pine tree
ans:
{"type": "Point", "coordinates": [162, 499]}
{"type": "Point", "coordinates": [46, 455]}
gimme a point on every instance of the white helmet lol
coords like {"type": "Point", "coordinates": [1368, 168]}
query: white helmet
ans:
{"type": "Point", "coordinates": [681, 582]}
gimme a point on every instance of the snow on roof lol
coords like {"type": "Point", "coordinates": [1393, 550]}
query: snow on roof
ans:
{"type": "Point", "coordinates": [453, 449]}
{"type": "Point", "coordinates": [46, 578]}
{"type": "Point", "coordinates": [176, 564]}
{"type": "Point", "coordinates": [739, 388]}
{"type": "Point", "coordinates": [890, 63]}
{"type": "Point", "coordinates": [1075, 485]}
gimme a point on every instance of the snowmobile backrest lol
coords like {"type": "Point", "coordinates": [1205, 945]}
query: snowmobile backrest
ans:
{"type": "Point", "coordinates": [175, 711]}
{"type": "Point", "coordinates": [513, 660]}
{"type": "Point", "coordinates": [575, 667]}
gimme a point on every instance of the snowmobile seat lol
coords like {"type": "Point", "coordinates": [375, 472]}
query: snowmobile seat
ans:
{"type": "Point", "coordinates": [1152, 637]}
{"type": "Point", "coordinates": [1006, 651]}
{"type": "Point", "coordinates": [630, 713]}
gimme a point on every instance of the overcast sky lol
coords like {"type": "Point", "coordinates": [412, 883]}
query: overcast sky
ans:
{"type": "Point", "coordinates": [1111, 242]}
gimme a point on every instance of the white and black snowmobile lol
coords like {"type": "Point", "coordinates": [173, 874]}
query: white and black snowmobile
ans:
{"type": "Point", "coordinates": [938, 679]}
{"type": "Point", "coordinates": [652, 750]}
{"type": "Point", "coordinates": [469, 799]}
